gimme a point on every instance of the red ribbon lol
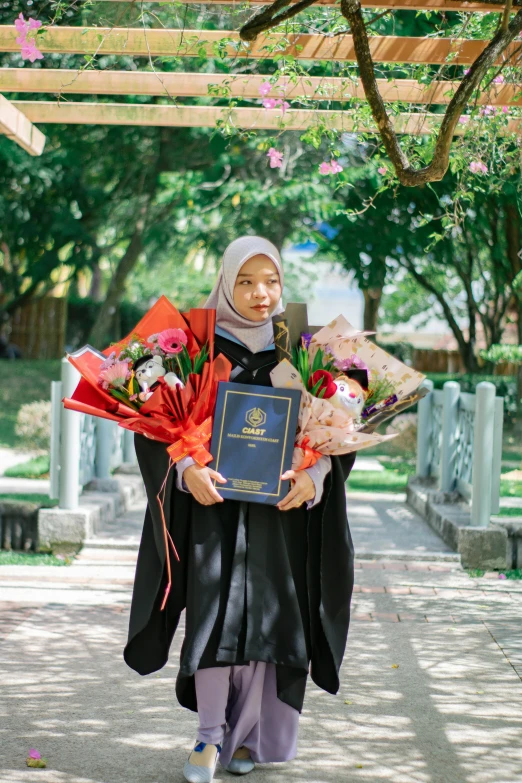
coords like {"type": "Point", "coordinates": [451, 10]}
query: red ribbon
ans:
{"type": "Point", "coordinates": [166, 535]}
{"type": "Point", "coordinates": [192, 443]}
{"type": "Point", "coordinates": [310, 455]}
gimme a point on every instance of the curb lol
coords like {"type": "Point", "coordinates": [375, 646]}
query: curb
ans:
{"type": "Point", "coordinates": [489, 548]}
{"type": "Point", "coordinates": [101, 501]}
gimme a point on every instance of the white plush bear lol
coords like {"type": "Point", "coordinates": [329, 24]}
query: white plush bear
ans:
{"type": "Point", "coordinates": [148, 372]}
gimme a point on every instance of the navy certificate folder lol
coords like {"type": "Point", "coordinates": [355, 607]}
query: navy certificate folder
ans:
{"type": "Point", "coordinates": [253, 440]}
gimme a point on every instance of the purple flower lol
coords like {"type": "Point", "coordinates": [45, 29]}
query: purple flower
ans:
{"type": "Point", "coordinates": [109, 361]}
{"type": "Point", "coordinates": [34, 754]}
{"type": "Point", "coordinates": [306, 339]}
{"type": "Point", "coordinates": [352, 362]}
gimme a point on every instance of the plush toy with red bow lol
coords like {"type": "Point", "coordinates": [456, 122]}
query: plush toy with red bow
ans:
{"type": "Point", "coordinates": [346, 392]}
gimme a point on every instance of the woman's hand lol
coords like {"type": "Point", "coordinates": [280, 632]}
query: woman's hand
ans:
{"type": "Point", "coordinates": [199, 482]}
{"type": "Point", "coordinates": [302, 489]}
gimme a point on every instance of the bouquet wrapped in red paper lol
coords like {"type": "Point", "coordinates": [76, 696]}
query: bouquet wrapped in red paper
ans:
{"type": "Point", "coordinates": [160, 381]}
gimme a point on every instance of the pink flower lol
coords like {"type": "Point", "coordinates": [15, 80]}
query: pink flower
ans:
{"type": "Point", "coordinates": [31, 52]}
{"type": "Point", "coordinates": [172, 340]}
{"type": "Point", "coordinates": [499, 79]}
{"type": "Point", "coordinates": [330, 168]}
{"type": "Point", "coordinates": [382, 170]}
{"type": "Point", "coordinates": [463, 119]}
{"type": "Point", "coordinates": [477, 167]}
{"type": "Point", "coordinates": [284, 105]}
{"type": "Point", "coordinates": [153, 338]}
{"type": "Point", "coordinates": [505, 109]}
{"type": "Point", "coordinates": [275, 157]}
{"type": "Point", "coordinates": [264, 89]}
{"type": "Point", "coordinates": [21, 25]}
{"type": "Point", "coordinates": [466, 71]}
{"type": "Point", "coordinates": [487, 110]}
{"type": "Point", "coordinates": [115, 375]}
{"type": "Point", "coordinates": [269, 103]}
{"type": "Point", "coordinates": [352, 361]}
{"type": "Point", "coordinates": [502, 576]}
{"type": "Point", "coordinates": [33, 753]}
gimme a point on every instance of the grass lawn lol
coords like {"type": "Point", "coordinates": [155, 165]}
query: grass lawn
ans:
{"type": "Point", "coordinates": [516, 573]}
{"type": "Point", "coordinates": [30, 382]}
{"type": "Point", "coordinates": [29, 497]}
{"type": "Point", "coordinates": [510, 512]}
{"type": "Point", "coordinates": [37, 467]}
{"type": "Point", "coordinates": [510, 489]}
{"type": "Point", "coordinates": [388, 480]}
{"type": "Point", "coordinates": [32, 558]}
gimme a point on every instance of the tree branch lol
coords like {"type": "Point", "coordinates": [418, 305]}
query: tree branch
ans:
{"type": "Point", "coordinates": [269, 17]}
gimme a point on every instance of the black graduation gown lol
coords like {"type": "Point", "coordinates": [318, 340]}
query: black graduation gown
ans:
{"type": "Point", "coordinates": [257, 583]}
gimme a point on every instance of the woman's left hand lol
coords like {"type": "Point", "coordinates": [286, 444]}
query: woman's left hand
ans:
{"type": "Point", "coordinates": [302, 489]}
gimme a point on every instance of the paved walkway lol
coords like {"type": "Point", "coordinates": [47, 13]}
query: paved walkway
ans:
{"type": "Point", "coordinates": [431, 682]}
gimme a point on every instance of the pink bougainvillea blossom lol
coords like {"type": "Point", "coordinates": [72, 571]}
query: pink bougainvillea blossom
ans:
{"type": "Point", "coordinates": [33, 753]}
{"type": "Point", "coordinates": [172, 340]}
{"type": "Point", "coordinates": [269, 103]}
{"type": "Point", "coordinates": [463, 119]}
{"type": "Point", "coordinates": [331, 167]}
{"type": "Point", "coordinates": [487, 110]}
{"type": "Point", "coordinates": [502, 576]}
{"type": "Point", "coordinates": [31, 52]}
{"type": "Point", "coordinates": [23, 26]}
{"type": "Point", "coordinates": [466, 71]}
{"type": "Point", "coordinates": [477, 167]}
{"type": "Point", "coordinates": [283, 105]}
{"type": "Point", "coordinates": [264, 89]}
{"type": "Point", "coordinates": [382, 170]}
{"type": "Point", "coordinates": [275, 157]}
{"type": "Point", "coordinates": [505, 110]}
{"type": "Point", "coordinates": [499, 79]}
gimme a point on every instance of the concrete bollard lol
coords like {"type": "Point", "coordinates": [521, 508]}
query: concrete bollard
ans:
{"type": "Point", "coordinates": [129, 452]}
{"type": "Point", "coordinates": [104, 444]}
{"type": "Point", "coordinates": [449, 429]}
{"type": "Point", "coordinates": [483, 444]}
{"type": "Point", "coordinates": [424, 426]}
{"type": "Point", "coordinates": [70, 446]}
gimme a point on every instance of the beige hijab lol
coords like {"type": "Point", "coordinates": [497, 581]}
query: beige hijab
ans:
{"type": "Point", "coordinates": [256, 335]}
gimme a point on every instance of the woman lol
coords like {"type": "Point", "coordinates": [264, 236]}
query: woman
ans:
{"type": "Point", "coordinates": [267, 589]}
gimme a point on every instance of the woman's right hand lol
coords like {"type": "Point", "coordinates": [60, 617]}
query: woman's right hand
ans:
{"type": "Point", "coordinates": [199, 482]}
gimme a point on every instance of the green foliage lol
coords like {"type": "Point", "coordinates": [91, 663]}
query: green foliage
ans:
{"type": "Point", "coordinates": [32, 559]}
{"type": "Point", "coordinates": [506, 386]}
{"type": "Point", "coordinates": [499, 354]}
{"type": "Point", "coordinates": [29, 381]}
{"type": "Point", "coordinates": [36, 467]}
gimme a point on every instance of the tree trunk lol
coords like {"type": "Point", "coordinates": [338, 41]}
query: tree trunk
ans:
{"type": "Point", "coordinates": [116, 288]}
{"type": "Point", "coordinates": [372, 301]}
{"type": "Point", "coordinates": [95, 291]}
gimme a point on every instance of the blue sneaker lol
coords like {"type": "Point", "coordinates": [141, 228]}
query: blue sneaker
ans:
{"type": "Point", "coordinates": [240, 763]}
{"type": "Point", "coordinates": [201, 763]}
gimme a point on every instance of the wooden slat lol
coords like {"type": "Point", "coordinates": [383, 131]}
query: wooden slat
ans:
{"type": "Point", "coordinates": [206, 117]}
{"type": "Point", "coordinates": [190, 43]}
{"type": "Point", "coordinates": [183, 85]}
{"type": "Point", "coordinates": [16, 126]}
{"type": "Point", "coordinates": [398, 5]}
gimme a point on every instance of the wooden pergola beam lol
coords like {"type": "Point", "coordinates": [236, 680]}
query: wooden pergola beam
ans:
{"type": "Point", "coordinates": [191, 43]}
{"type": "Point", "coordinates": [396, 5]}
{"type": "Point", "coordinates": [17, 126]}
{"type": "Point", "coordinates": [207, 116]}
{"type": "Point", "coordinates": [184, 85]}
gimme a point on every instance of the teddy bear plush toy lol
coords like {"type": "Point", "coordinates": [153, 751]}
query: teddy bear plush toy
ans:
{"type": "Point", "coordinates": [148, 370]}
{"type": "Point", "coordinates": [346, 392]}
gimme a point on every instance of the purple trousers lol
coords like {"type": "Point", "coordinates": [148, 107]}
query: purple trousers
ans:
{"type": "Point", "coordinates": [238, 705]}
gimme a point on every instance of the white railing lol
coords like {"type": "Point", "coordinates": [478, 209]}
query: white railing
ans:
{"type": "Point", "coordinates": [83, 447]}
{"type": "Point", "coordinates": [459, 441]}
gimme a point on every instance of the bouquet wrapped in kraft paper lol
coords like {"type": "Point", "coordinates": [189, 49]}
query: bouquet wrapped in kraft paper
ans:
{"type": "Point", "coordinates": [160, 381]}
{"type": "Point", "coordinates": [349, 386]}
